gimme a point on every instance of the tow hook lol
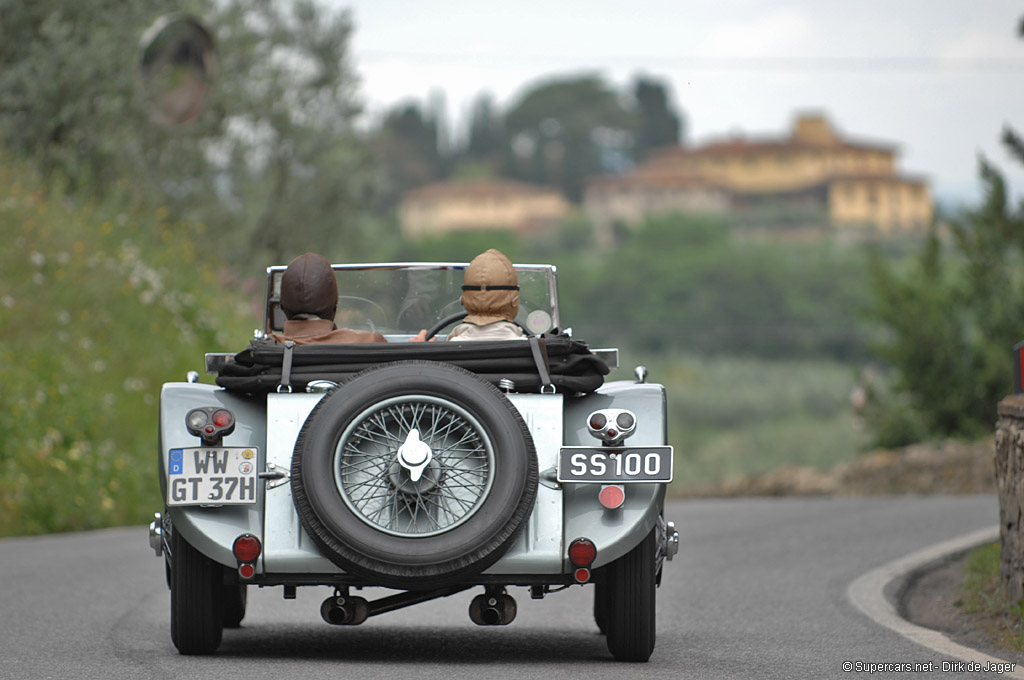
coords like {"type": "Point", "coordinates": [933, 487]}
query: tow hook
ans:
{"type": "Point", "coordinates": [494, 608]}
{"type": "Point", "coordinates": [342, 609]}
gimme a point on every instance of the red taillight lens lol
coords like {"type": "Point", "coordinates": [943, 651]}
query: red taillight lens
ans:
{"type": "Point", "coordinates": [582, 552]}
{"type": "Point", "coordinates": [247, 571]}
{"type": "Point", "coordinates": [597, 421]}
{"type": "Point", "coordinates": [582, 575]}
{"type": "Point", "coordinates": [222, 419]}
{"type": "Point", "coordinates": [246, 548]}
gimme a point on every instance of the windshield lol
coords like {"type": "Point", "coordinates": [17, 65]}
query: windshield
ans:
{"type": "Point", "coordinates": [401, 299]}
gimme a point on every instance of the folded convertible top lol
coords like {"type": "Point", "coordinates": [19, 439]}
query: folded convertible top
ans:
{"type": "Point", "coordinates": [570, 365]}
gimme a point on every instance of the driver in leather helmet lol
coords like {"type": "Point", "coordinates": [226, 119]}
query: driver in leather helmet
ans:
{"type": "Point", "coordinates": [490, 295]}
{"type": "Point", "coordinates": [309, 299]}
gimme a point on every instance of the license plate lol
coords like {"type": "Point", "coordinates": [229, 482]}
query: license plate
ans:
{"type": "Point", "coordinates": [615, 465]}
{"type": "Point", "coordinates": [212, 476]}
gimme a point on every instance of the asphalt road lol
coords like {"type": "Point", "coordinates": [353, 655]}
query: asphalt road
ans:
{"type": "Point", "coordinates": [758, 590]}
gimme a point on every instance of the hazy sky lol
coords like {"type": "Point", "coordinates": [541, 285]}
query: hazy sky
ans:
{"type": "Point", "coordinates": [939, 78]}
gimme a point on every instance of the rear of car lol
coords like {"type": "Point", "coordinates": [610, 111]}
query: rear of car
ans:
{"type": "Point", "coordinates": [428, 468]}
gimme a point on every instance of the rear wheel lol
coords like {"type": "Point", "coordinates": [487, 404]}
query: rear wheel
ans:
{"type": "Point", "coordinates": [235, 597]}
{"type": "Point", "coordinates": [631, 585]}
{"type": "Point", "coordinates": [197, 599]}
{"type": "Point", "coordinates": [601, 607]}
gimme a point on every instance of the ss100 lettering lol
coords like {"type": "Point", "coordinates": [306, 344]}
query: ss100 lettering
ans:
{"type": "Point", "coordinates": [630, 464]}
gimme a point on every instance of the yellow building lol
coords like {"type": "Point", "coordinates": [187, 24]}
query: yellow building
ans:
{"type": "Point", "coordinates": [853, 183]}
{"type": "Point", "coordinates": [475, 205]}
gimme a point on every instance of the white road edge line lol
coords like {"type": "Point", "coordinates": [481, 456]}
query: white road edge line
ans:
{"type": "Point", "coordinates": [867, 594]}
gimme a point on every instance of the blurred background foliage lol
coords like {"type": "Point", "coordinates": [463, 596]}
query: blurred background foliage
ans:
{"type": "Point", "coordinates": [101, 301]}
{"type": "Point", "coordinates": [131, 249]}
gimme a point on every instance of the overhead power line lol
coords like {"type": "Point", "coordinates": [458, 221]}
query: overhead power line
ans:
{"type": "Point", "coordinates": [890, 64]}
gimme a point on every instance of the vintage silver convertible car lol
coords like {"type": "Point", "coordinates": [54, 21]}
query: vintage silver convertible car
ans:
{"type": "Point", "coordinates": [428, 468]}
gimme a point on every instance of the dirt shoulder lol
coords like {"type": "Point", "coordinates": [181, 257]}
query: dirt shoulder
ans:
{"type": "Point", "coordinates": [934, 600]}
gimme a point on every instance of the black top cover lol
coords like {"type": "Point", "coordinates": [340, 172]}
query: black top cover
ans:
{"type": "Point", "coordinates": [571, 365]}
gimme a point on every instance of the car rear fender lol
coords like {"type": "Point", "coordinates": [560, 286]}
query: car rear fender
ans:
{"type": "Point", "coordinates": [212, 530]}
{"type": "Point", "coordinates": [615, 532]}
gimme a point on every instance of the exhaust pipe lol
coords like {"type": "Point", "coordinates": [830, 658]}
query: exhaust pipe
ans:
{"type": "Point", "coordinates": [493, 608]}
{"type": "Point", "coordinates": [343, 610]}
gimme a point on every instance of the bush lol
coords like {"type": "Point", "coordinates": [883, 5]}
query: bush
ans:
{"type": "Point", "coordinates": [100, 303]}
{"type": "Point", "coordinates": [952, 315]}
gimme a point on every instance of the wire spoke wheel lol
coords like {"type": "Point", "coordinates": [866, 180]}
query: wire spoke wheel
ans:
{"type": "Point", "coordinates": [381, 491]}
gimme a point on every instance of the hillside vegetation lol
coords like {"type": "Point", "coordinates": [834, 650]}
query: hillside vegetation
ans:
{"type": "Point", "coordinates": [100, 303]}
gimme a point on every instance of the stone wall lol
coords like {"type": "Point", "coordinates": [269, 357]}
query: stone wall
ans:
{"type": "Point", "coordinates": [1009, 464]}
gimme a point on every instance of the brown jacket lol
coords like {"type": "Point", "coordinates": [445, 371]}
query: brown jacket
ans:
{"type": "Point", "coordinates": [323, 332]}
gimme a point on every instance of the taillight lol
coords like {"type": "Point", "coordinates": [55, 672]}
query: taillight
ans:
{"type": "Point", "coordinates": [246, 548]}
{"type": "Point", "coordinates": [611, 425]}
{"type": "Point", "coordinates": [223, 419]}
{"type": "Point", "coordinates": [582, 552]}
{"type": "Point", "coordinates": [210, 423]}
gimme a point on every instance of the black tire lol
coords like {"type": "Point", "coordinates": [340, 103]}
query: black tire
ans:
{"type": "Point", "coordinates": [235, 598]}
{"type": "Point", "coordinates": [601, 607]}
{"type": "Point", "coordinates": [631, 602]}
{"type": "Point", "coordinates": [197, 599]}
{"type": "Point", "coordinates": [366, 511]}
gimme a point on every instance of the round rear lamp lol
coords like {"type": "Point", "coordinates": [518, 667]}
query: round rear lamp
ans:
{"type": "Point", "coordinates": [246, 571]}
{"type": "Point", "coordinates": [582, 575]}
{"type": "Point", "coordinates": [222, 418]}
{"type": "Point", "coordinates": [196, 419]}
{"type": "Point", "coordinates": [612, 496]}
{"type": "Point", "coordinates": [597, 421]}
{"type": "Point", "coordinates": [625, 420]}
{"type": "Point", "coordinates": [582, 552]}
{"type": "Point", "coordinates": [246, 548]}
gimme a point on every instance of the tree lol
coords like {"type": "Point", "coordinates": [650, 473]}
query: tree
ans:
{"type": "Point", "coordinates": [486, 131]}
{"type": "Point", "coordinates": [274, 161]}
{"type": "Point", "coordinates": [953, 315]}
{"type": "Point", "coordinates": [658, 124]}
{"type": "Point", "coordinates": [407, 145]}
{"type": "Point", "coordinates": [566, 129]}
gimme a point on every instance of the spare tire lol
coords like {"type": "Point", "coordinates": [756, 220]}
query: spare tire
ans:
{"type": "Point", "coordinates": [414, 474]}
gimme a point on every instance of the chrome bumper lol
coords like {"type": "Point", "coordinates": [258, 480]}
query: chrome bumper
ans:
{"type": "Point", "coordinates": [671, 540]}
{"type": "Point", "coordinates": [156, 534]}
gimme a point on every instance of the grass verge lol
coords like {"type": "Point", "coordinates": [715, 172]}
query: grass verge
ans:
{"type": "Point", "coordinates": [983, 598]}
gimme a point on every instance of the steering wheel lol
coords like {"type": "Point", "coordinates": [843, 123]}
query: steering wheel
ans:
{"type": "Point", "coordinates": [459, 316]}
{"type": "Point", "coordinates": [446, 321]}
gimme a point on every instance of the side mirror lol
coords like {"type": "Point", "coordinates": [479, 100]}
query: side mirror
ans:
{"type": "Point", "coordinates": [177, 63]}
